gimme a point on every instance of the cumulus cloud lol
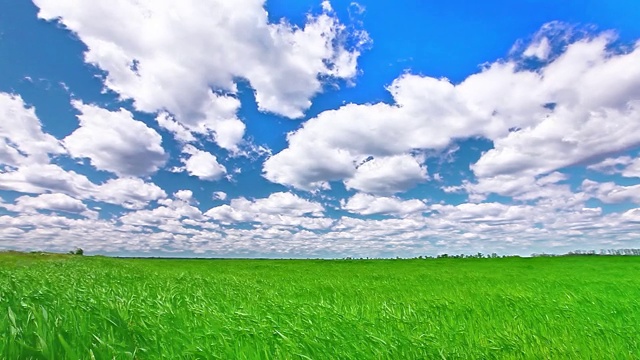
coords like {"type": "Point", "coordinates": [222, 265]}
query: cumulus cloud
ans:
{"type": "Point", "coordinates": [517, 187]}
{"type": "Point", "coordinates": [467, 227]}
{"type": "Point", "coordinates": [168, 215]}
{"type": "Point", "coordinates": [53, 202]}
{"type": "Point", "coordinates": [37, 179]}
{"type": "Point", "coordinates": [218, 121]}
{"type": "Point", "coordinates": [493, 212]}
{"type": "Point", "coordinates": [164, 62]}
{"type": "Point", "coordinates": [30, 170]}
{"type": "Point", "coordinates": [279, 209]}
{"type": "Point", "coordinates": [130, 193]}
{"type": "Point", "coordinates": [22, 140]}
{"type": "Point", "coordinates": [202, 164]}
{"type": "Point", "coordinates": [578, 106]}
{"type": "Point", "coordinates": [40, 178]}
{"type": "Point", "coordinates": [567, 137]}
{"type": "Point", "coordinates": [365, 204]}
{"type": "Point", "coordinates": [115, 142]}
{"type": "Point", "coordinates": [280, 203]}
{"type": "Point", "coordinates": [387, 175]}
{"type": "Point", "coordinates": [184, 195]}
{"type": "Point", "coordinates": [586, 122]}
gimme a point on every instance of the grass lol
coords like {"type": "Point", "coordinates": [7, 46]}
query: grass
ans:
{"type": "Point", "coordinates": [72, 307]}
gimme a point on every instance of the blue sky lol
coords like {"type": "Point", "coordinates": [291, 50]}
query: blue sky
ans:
{"type": "Point", "coordinates": [319, 129]}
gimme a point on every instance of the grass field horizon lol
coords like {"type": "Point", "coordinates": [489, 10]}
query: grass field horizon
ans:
{"type": "Point", "coordinates": [77, 307]}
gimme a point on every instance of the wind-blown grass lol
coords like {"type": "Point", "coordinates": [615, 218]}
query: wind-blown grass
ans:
{"type": "Point", "coordinates": [544, 308]}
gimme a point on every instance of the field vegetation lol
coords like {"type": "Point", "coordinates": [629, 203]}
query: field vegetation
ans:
{"type": "Point", "coordinates": [79, 307]}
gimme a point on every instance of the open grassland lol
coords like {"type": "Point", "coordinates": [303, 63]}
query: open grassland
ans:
{"type": "Point", "coordinates": [73, 307]}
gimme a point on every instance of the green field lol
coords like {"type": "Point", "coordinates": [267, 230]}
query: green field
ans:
{"type": "Point", "coordinates": [73, 307]}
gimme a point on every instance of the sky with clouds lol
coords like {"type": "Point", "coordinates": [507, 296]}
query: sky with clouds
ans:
{"type": "Point", "coordinates": [274, 128]}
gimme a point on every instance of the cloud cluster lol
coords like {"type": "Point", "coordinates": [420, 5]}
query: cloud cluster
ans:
{"type": "Point", "coordinates": [184, 60]}
{"type": "Point", "coordinates": [282, 209]}
{"type": "Point", "coordinates": [54, 202]}
{"type": "Point", "coordinates": [175, 225]}
{"type": "Point", "coordinates": [103, 137]}
{"type": "Point", "coordinates": [37, 179]}
{"type": "Point", "coordinates": [578, 106]}
{"type": "Point", "coordinates": [365, 204]}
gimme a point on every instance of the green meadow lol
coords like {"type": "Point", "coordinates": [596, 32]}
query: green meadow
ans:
{"type": "Point", "coordinates": [75, 307]}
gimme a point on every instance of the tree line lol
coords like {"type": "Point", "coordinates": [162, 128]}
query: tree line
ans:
{"type": "Point", "coordinates": [602, 252]}
{"type": "Point", "coordinates": [479, 255]}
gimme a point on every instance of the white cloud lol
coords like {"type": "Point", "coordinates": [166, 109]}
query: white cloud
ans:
{"type": "Point", "coordinates": [226, 128]}
{"type": "Point", "coordinates": [632, 170]}
{"type": "Point", "coordinates": [596, 97]}
{"type": "Point", "coordinates": [32, 173]}
{"type": "Point", "coordinates": [279, 209]}
{"type": "Point", "coordinates": [168, 57]}
{"type": "Point", "coordinates": [304, 168]}
{"type": "Point", "coordinates": [53, 202]}
{"type": "Point", "coordinates": [465, 228]}
{"type": "Point", "coordinates": [539, 49]}
{"type": "Point", "coordinates": [632, 216]}
{"type": "Point", "coordinates": [184, 195]}
{"type": "Point", "coordinates": [130, 193]}
{"type": "Point", "coordinates": [22, 140]}
{"type": "Point", "coordinates": [327, 147]}
{"type": "Point", "coordinates": [611, 165]}
{"type": "Point", "coordinates": [387, 175]}
{"type": "Point", "coordinates": [179, 131]}
{"type": "Point", "coordinates": [567, 137]}
{"type": "Point", "coordinates": [280, 203]}
{"type": "Point", "coordinates": [218, 120]}
{"type": "Point", "coordinates": [579, 108]}
{"type": "Point", "coordinates": [518, 187]}
{"type": "Point", "coordinates": [202, 164]}
{"type": "Point", "coordinates": [365, 204]}
{"type": "Point", "coordinates": [326, 6]}
{"type": "Point", "coordinates": [168, 214]}
{"type": "Point", "coordinates": [39, 178]}
{"type": "Point", "coordinates": [115, 142]}
{"type": "Point", "coordinates": [219, 195]}
{"type": "Point", "coordinates": [580, 105]}
{"type": "Point", "coordinates": [624, 165]}
{"type": "Point", "coordinates": [612, 193]}
{"type": "Point", "coordinates": [487, 213]}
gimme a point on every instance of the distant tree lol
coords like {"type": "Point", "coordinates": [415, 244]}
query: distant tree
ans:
{"type": "Point", "coordinates": [79, 251]}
